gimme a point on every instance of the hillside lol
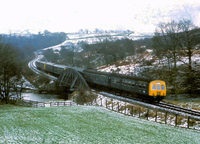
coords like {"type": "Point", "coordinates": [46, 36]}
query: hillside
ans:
{"type": "Point", "coordinates": [84, 124]}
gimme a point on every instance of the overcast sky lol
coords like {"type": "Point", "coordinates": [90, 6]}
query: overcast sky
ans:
{"type": "Point", "coordinates": [72, 15]}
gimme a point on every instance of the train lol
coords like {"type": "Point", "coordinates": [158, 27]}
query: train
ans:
{"type": "Point", "coordinates": [148, 89]}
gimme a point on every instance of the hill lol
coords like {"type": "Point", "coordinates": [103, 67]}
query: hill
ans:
{"type": "Point", "coordinates": [34, 41]}
{"type": "Point", "coordinates": [84, 124]}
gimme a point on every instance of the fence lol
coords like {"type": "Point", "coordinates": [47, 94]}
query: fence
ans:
{"type": "Point", "coordinates": [135, 110]}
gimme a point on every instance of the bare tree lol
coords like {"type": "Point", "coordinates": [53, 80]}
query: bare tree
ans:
{"type": "Point", "coordinates": [189, 40]}
{"type": "Point", "coordinates": [179, 41]}
{"type": "Point", "coordinates": [165, 40]}
{"type": "Point", "coordinates": [9, 68]}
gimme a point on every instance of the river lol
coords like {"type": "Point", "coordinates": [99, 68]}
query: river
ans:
{"type": "Point", "coordinates": [42, 97]}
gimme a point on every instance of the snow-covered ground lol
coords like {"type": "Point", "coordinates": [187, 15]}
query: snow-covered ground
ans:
{"type": "Point", "coordinates": [27, 84]}
{"type": "Point", "coordinates": [94, 38]}
{"type": "Point", "coordinates": [132, 67]}
{"type": "Point", "coordinates": [134, 64]}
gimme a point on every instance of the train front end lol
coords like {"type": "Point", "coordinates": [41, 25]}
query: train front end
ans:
{"type": "Point", "coordinates": [157, 90]}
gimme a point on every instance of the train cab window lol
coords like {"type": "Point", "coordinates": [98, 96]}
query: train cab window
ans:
{"type": "Point", "coordinates": [153, 87]}
{"type": "Point", "coordinates": [162, 87]}
{"type": "Point", "coordinates": [158, 87]}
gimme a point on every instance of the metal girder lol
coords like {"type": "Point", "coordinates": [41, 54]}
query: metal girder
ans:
{"type": "Point", "coordinates": [74, 82]}
{"type": "Point", "coordinates": [72, 79]}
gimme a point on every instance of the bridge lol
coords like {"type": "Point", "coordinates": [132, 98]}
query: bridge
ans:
{"type": "Point", "coordinates": [68, 80]}
{"type": "Point", "coordinates": [72, 79]}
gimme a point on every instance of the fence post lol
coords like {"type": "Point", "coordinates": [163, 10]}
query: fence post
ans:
{"type": "Point", "coordinates": [125, 108]}
{"type": "Point", "coordinates": [112, 104]}
{"type": "Point", "coordinates": [139, 112]}
{"type": "Point", "coordinates": [156, 116]}
{"type": "Point", "coordinates": [188, 122]}
{"type": "Point", "coordinates": [165, 117]}
{"type": "Point", "coordinates": [101, 101]}
{"type": "Point", "coordinates": [132, 110]}
{"type": "Point", "coordinates": [147, 114]}
{"type": "Point", "coordinates": [106, 103]}
{"type": "Point", "coordinates": [176, 120]}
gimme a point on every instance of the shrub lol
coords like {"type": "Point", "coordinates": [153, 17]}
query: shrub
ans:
{"type": "Point", "coordinates": [83, 96]}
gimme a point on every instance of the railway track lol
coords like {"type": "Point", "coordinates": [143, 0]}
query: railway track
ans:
{"type": "Point", "coordinates": [178, 108]}
{"type": "Point", "coordinates": [154, 105]}
{"type": "Point", "coordinates": [32, 66]}
{"type": "Point", "coordinates": [171, 107]}
{"type": "Point", "coordinates": [128, 98]}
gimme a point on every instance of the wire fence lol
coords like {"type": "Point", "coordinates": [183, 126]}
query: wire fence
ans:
{"type": "Point", "coordinates": [155, 115]}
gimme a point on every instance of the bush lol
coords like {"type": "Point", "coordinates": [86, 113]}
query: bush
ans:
{"type": "Point", "coordinates": [83, 96]}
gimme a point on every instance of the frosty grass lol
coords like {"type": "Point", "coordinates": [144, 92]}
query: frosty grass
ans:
{"type": "Point", "coordinates": [84, 124]}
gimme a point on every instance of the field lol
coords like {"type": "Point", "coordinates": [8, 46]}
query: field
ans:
{"type": "Point", "coordinates": [84, 124]}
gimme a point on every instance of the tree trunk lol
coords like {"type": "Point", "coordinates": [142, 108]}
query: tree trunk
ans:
{"type": "Point", "coordinates": [174, 55]}
{"type": "Point", "coordinates": [190, 60]}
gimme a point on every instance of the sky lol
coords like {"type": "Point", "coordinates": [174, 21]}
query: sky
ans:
{"type": "Point", "coordinates": [73, 15]}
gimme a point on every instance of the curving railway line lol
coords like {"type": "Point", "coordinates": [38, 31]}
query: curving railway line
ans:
{"type": "Point", "coordinates": [178, 108]}
{"type": "Point", "coordinates": [162, 106]}
{"type": "Point", "coordinates": [33, 67]}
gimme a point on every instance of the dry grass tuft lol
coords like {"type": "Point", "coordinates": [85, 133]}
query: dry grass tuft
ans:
{"type": "Point", "coordinates": [196, 108]}
{"type": "Point", "coordinates": [192, 122]}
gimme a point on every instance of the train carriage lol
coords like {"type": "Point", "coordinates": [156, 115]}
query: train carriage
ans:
{"type": "Point", "coordinates": [150, 88]}
{"type": "Point", "coordinates": [139, 85]}
{"type": "Point", "coordinates": [50, 67]}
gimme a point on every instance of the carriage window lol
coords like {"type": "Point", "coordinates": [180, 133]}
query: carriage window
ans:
{"type": "Point", "coordinates": [158, 87]}
{"type": "Point", "coordinates": [153, 87]}
{"type": "Point", "coordinates": [162, 87]}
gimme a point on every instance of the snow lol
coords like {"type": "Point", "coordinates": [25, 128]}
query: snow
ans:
{"type": "Point", "coordinates": [27, 84]}
{"type": "Point", "coordinates": [136, 63]}
{"type": "Point", "coordinates": [94, 38]}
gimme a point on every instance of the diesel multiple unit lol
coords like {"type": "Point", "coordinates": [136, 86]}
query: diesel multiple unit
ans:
{"type": "Point", "coordinates": [147, 88]}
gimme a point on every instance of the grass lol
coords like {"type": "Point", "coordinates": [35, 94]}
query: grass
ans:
{"type": "Point", "coordinates": [84, 124]}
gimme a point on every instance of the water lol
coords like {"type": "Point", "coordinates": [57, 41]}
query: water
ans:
{"type": "Point", "coordinates": [42, 97]}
